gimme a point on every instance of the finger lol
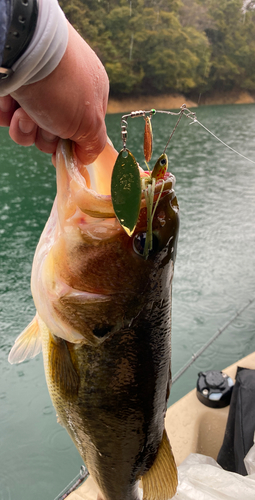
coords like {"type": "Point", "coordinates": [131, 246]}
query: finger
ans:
{"type": "Point", "coordinates": [45, 141]}
{"type": "Point", "coordinates": [7, 108]}
{"type": "Point", "coordinates": [23, 129]}
{"type": "Point", "coordinates": [88, 148]}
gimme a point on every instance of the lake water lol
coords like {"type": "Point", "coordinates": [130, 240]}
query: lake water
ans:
{"type": "Point", "coordinates": [214, 277]}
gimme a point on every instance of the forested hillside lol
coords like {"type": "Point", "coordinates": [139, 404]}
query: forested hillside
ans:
{"type": "Point", "coordinates": [153, 46]}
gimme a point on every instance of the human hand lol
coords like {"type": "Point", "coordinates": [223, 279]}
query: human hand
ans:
{"type": "Point", "coordinates": [69, 103]}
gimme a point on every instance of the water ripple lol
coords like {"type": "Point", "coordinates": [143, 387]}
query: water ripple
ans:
{"type": "Point", "coordinates": [59, 440]}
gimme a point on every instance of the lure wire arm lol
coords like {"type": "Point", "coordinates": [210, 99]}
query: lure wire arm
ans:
{"type": "Point", "coordinates": [136, 114]}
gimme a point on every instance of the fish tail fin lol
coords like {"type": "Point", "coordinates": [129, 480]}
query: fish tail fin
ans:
{"type": "Point", "coordinates": [160, 482]}
{"type": "Point", "coordinates": [27, 345]}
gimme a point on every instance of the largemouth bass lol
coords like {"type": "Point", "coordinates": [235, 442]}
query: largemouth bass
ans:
{"type": "Point", "coordinates": [103, 323]}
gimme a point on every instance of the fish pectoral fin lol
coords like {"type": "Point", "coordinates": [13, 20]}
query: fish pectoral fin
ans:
{"type": "Point", "coordinates": [62, 371]}
{"type": "Point", "coordinates": [27, 345]}
{"type": "Point", "coordinates": [59, 421]}
{"type": "Point", "coordinates": [160, 482]}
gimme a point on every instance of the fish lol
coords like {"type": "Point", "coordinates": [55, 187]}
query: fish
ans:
{"type": "Point", "coordinates": [103, 323]}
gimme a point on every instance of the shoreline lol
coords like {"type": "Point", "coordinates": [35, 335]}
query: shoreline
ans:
{"type": "Point", "coordinates": [175, 101]}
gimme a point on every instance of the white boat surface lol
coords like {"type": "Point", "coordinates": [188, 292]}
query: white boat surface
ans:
{"type": "Point", "coordinates": [191, 426]}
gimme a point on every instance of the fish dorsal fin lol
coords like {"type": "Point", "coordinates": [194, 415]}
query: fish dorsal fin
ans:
{"type": "Point", "coordinates": [27, 345]}
{"type": "Point", "coordinates": [160, 482]}
{"type": "Point", "coordinates": [62, 371]}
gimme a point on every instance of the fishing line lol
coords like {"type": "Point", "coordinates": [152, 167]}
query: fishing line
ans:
{"type": "Point", "coordinates": [195, 120]}
{"type": "Point", "coordinates": [192, 116]}
{"type": "Point", "coordinates": [210, 341]}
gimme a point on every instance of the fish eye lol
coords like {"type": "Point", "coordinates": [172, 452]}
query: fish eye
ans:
{"type": "Point", "coordinates": [139, 242]}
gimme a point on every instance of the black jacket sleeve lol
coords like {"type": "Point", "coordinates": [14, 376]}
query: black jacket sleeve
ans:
{"type": "Point", "coordinates": [5, 20]}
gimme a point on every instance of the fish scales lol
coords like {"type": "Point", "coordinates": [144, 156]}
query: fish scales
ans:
{"type": "Point", "coordinates": [126, 400]}
{"type": "Point", "coordinates": [104, 322]}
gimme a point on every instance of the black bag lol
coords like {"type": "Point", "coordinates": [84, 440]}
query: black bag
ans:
{"type": "Point", "coordinates": [240, 428]}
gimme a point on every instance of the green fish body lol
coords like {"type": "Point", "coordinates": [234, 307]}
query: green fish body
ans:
{"type": "Point", "coordinates": [103, 323]}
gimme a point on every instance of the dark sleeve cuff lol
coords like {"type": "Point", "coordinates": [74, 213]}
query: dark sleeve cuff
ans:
{"type": "Point", "coordinates": [5, 20]}
{"type": "Point", "coordinates": [21, 24]}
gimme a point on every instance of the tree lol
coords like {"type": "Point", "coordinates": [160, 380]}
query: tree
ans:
{"type": "Point", "coordinates": [232, 36]}
{"type": "Point", "coordinates": [152, 46]}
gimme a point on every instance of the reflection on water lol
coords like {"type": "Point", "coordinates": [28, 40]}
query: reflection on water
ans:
{"type": "Point", "coordinates": [214, 277]}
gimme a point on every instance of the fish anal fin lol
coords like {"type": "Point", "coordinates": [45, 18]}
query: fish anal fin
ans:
{"type": "Point", "coordinates": [160, 482]}
{"type": "Point", "coordinates": [62, 371]}
{"type": "Point", "coordinates": [27, 345]}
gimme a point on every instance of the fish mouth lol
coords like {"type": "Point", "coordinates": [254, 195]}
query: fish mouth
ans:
{"type": "Point", "coordinates": [91, 184]}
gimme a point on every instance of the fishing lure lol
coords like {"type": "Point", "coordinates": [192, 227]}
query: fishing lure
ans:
{"type": "Point", "coordinates": [126, 190]}
{"type": "Point", "coordinates": [148, 188]}
{"type": "Point", "coordinates": [148, 138]}
{"type": "Point", "coordinates": [127, 186]}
